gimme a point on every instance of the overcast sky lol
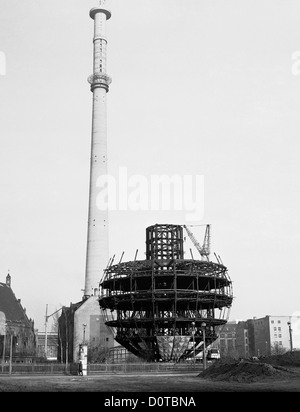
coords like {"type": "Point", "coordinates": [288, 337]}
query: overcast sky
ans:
{"type": "Point", "coordinates": [200, 87]}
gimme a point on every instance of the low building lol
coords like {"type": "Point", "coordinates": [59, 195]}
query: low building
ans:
{"type": "Point", "coordinates": [47, 349]}
{"type": "Point", "coordinates": [17, 336]}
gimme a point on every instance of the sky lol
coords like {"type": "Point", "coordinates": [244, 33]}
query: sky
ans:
{"type": "Point", "coordinates": [205, 88]}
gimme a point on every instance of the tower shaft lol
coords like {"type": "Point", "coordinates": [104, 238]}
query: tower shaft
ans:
{"type": "Point", "coordinates": [97, 236]}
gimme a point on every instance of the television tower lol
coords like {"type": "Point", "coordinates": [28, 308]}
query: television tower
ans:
{"type": "Point", "coordinates": [97, 236]}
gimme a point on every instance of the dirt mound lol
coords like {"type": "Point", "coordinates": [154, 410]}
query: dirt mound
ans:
{"type": "Point", "coordinates": [287, 359]}
{"type": "Point", "coordinates": [243, 371]}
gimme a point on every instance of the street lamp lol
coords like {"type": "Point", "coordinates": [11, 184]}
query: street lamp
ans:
{"type": "Point", "coordinates": [193, 334]}
{"type": "Point", "coordinates": [291, 338]}
{"type": "Point", "coordinates": [203, 325]}
{"type": "Point", "coordinates": [84, 326]}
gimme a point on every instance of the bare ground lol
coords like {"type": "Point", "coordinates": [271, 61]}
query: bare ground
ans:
{"type": "Point", "coordinates": [146, 383]}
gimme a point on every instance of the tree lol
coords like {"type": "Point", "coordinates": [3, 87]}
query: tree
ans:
{"type": "Point", "coordinates": [55, 317]}
{"type": "Point", "coordinates": [277, 349]}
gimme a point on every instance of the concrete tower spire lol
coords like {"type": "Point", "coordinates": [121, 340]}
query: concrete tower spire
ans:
{"type": "Point", "coordinates": [97, 237]}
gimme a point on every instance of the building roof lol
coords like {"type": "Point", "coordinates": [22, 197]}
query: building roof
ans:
{"type": "Point", "coordinates": [228, 327]}
{"type": "Point", "coordinates": [11, 306]}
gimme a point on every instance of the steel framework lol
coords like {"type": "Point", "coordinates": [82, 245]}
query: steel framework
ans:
{"type": "Point", "coordinates": [164, 305]}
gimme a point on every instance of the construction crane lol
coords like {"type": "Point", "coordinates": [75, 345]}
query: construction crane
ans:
{"type": "Point", "coordinates": [204, 250]}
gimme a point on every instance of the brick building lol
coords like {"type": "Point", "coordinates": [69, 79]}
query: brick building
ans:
{"type": "Point", "coordinates": [226, 342]}
{"type": "Point", "coordinates": [16, 329]}
{"type": "Point", "coordinates": [245, 343]}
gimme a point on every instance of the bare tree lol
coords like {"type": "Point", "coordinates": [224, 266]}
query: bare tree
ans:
{"type": "Point", "coordinates": [277, 349]}
{"type": "Point", "coordinates": [54, 326]}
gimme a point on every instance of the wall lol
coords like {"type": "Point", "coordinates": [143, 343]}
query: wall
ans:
{"type": "Point", "coordinates": [95, 333]}
{"type": "Point", "coordinates": [279, 333]}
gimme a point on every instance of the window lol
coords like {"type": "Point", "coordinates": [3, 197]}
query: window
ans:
{"type": "Point", "coordinates": [275, 335]}
{"type": "Point", "coordinates": [275, 328]}
{"type": "Point", "coordinates": [279, 321]}
{"type": "Point", "coordinates": [279, 328]}
{"type": "Point", "coordinates": [280, 342]}
{"type": "Point", "coordinates": [280, 336]}
{"type": "Point", "coordinates": [272, 321]}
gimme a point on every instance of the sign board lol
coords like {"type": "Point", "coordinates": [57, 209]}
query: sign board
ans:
{"type": "Point", "coordinates": [2, 324]}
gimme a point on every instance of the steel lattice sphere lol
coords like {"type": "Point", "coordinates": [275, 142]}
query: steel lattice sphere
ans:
{"type": "Point", "coordinates": [162, 307]}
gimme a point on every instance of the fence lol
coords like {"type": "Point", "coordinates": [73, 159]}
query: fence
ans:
{"type": "Point", "coordinates": [99, 368]}
{"type": "Point", "coordinates": [34, 368]}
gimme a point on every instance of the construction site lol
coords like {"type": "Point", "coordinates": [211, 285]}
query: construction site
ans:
{"type": "Point", "coordinates": [164, 308]}
{"type": "Point", "coordinates": [143, 325]}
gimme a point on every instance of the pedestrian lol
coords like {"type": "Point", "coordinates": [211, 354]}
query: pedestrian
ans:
{"type": "Point", "coordinates": [80, 368]}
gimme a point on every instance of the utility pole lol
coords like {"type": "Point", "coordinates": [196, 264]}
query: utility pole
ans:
{"type": "Point", "coordinates": [203, 324]}
{"type": "Point", "coordinates": [10, 353]}
{"type": "Point", "coordinates": [194, 349]}
{"type": "Point", "coordinates": [67, 341]}
{"type": "Point", "coordinates": [46, 320]}
{"type": "Point", "coordinates": [291, 337]}
{"type": "Point", "coordinates": [46, 324]}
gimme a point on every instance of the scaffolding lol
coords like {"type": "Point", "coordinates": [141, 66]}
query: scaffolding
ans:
{"type": "Point", "coordinates": [164, 305]}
